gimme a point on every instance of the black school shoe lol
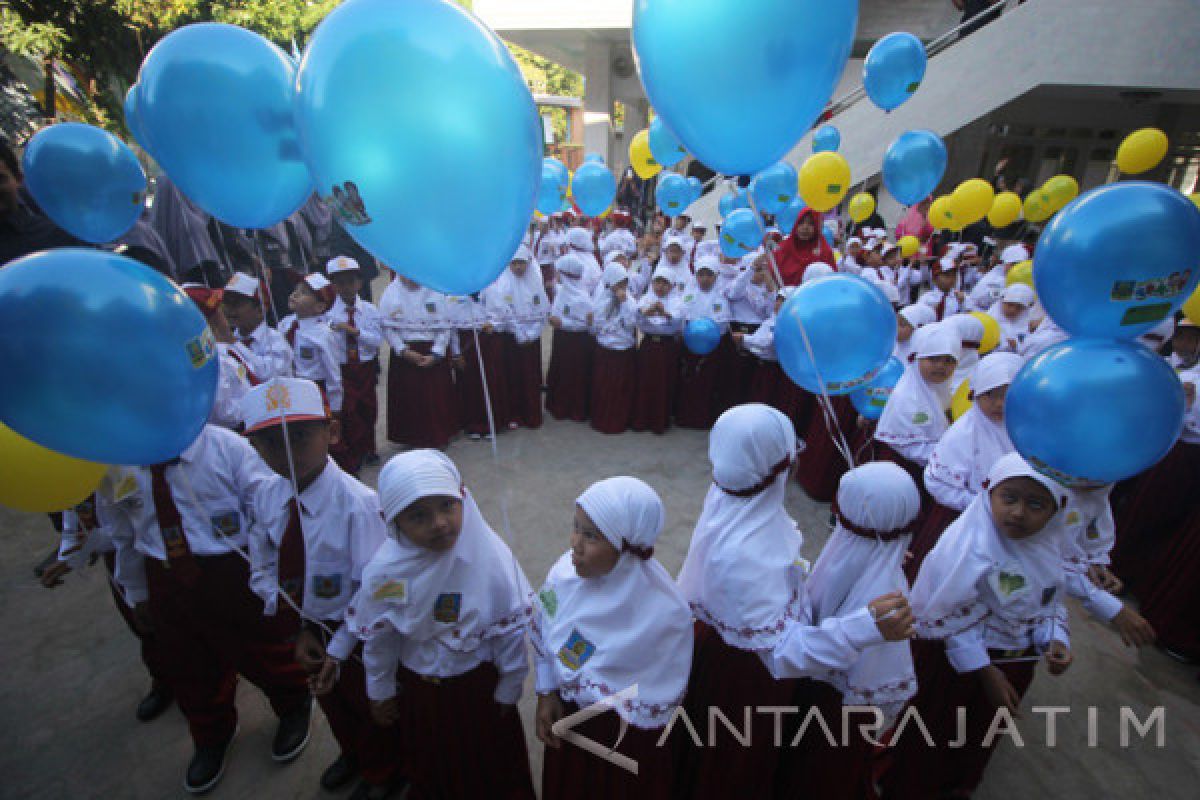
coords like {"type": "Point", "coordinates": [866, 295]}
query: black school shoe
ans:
{"type": "Point", "coordinates": [207, 767]}
{"type": "Point", "coordinates": [154, 704]}
{"type": "Point", "coordinates": [339, 773]}
{"type": "Point", "coordinates": [292, 734]}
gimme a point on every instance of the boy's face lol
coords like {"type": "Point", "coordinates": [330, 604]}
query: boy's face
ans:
{"type": "Point", "coordinates": [698, 234]}
{"type": "Point", "coordinates": [936, 369]}
{"type": "Point", "coordinates": [347, 285]}
{"type": "Point", "coordinates": [1185, 342]}
{"type": "Point", "coordinates": [309, 442]}
{"type": "Point", "coordinates": [674, 254]}
{"type": "Point", "coordinates": [518, 267]}
{"type": "Point", "coordinates": [892, 258]}
{"type": "Point", "coordinates": [433, 522]}
{"type": "Point", "coordinates": [243, 313]}
{"type": "Point", "coordinates": [592, 555]}
{"type": "Point", "coordinates": [705, 279]}
{"type": "Point", "coordinates": [945, 280]}
{"type": "Point", "coordinates": [1011, 310]}
{"type": "Point", "coordinates": [680, 223]}
{"type": "Point", "coordinates": [1021, 507]}
{"type": "Point", "coordinates": [874, 259]}
{"type": "Point", "coordinates": [991, 403]}
{"type": "Point", "coordinates": [904, 331]}
{"type": "Point", "coordinates": [661, 287]}
{"type": "Point", "coordinates": [303, 301]}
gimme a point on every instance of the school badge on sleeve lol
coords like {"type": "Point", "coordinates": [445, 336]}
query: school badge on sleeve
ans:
{"type": "Point", "coordinates": [327, 587]}
{"type": "Point", "coordinates": [395, 590]}
{"type": "Point", "coordinates": [447, 607]}
{"type": "Point", "coordinates": [576, 652]}
{"type": "Point", "coordinates": [226, 524]}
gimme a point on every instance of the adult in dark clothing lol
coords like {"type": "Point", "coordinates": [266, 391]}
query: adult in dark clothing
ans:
{"type": "Point", "coordinates": [24, 229]}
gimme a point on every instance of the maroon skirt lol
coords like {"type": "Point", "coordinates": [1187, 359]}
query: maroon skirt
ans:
{"type": "Point", "coordinates": [1171, 596]}
{"type": "Point", "coordinates": [764, 383]}
{"type": "Point", "coordinates": [933, 523]}
{"type": "Point", "coordinates": [524, 366]}
{"type": "Point", "coordinates": [815, 767]}
{"type": "Point", "coordinates": [421, 407]}
{"type": "Point", "coordinates": [731, 680]}
{"type": "Point", "coordinates": [360, 409]}
{"type": "Point", "coordinates": [1151, 510]}
{"type": "Point", "coordinates": [821, 466]}
{"type": "Point", "coordinates": [657, 372]}
{"type": "Point", "coordinates": [614, 389]}
{"type": "Point", "coordinates": [921, 772]}
{"type": "Point", "coordinates": [375, 750]}
{"type": "Point", "coordinates": [460, 744]}
{"type": "Point", "coordinates": [705, 386]}
{"type": "Point", "coordinates": [472, 400]}
{"type": "Point", "coordinates": [569, 376]}
{"type": "Point", "coordinates": [572, 773]}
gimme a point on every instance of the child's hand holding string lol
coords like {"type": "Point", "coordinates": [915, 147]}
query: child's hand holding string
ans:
{"type": "Point", "coordinates": [1058, 658]}
{"type": "Point", "coordinates": [549, 711]}
{"type": "Point", "coordinates": [323, 681]}
{"type": "Point", "coordinates": [893, 616]}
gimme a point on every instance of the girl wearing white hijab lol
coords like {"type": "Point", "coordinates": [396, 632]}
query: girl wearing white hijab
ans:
{"type": "Point", "coordinates": [745, 582]}
{"type": "Point", "coordinates": [517, 309]}
{"type": "Point", "coordinates": [582, 245]}
{"type": "Point", "coordinates": [569, 376]}
{"type": "Point", "coordinates": [915, 415]}
{"type": "Point", "coordinates": [608, 618]}
{"type": "Point", "coordinates": [660, 320]}
{"type": "Point", "coordinates": [875, 509]}
{"type": "Point", "coordinates": [988, 603]}
{"type": "Point", "coordinates": [443, 611]}
{"type": "Point", "coordinates": [1014, 312]}
{"type": "Point", "coordinates": [908, 320]}
{"type": "Point", "coordinates": [707, 385]}
{"type": "Point", "coordinates": [614, 370]}
{"type": "Point", "coordinates": [970, 333]}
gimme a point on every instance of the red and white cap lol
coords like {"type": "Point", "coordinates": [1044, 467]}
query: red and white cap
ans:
{"type": "Point", "coordinates": [279, 399]}
{"type": "Point", "coordinates": [341, 264]}
{"type": "Point", "coordinates": [243, 284]}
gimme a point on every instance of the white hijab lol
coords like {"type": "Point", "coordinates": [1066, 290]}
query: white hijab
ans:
{"type": "Point", "coordinates": [916, 411]}
{"type": "Point", "coordinates": [418, 309]}
{"type": "Point", "coordinates": [918, 316]}
{"type": "Point", "coordinates": [571, 290]}
{"type": "Point", "coordinates": [524, 297]}
{"type": "Point", "coordinates": [1015, 329]}
{"type": "Point", "coordinates": [972, 555]}
{"type": "Point", "coordinates": [742, 573]}
{"type": "Point", "coordinates": [880, 501]}
{"type": "Point", "coordinates": [403, 583]}
{"type": "Point", "coordinates": [970, 329]}
{"type": "Point", "coordinates": [634, 620]}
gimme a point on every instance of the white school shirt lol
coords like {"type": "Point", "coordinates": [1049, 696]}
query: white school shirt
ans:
{"type": "Point", "coordinates": [342, 527]}
{"type": "Point", "coordinates": [418, 315]}
{"type": "Point", "coordinates": [656, 324]}
{"type": "Point", "coordinates": [988, 291]}
{"type": "Point", "coordinates": [681, 276]}
{"type": "Point", "coordinates": [619, 331]}
{"type": "Point", "coordinates": [572, 304]}
{"type": "Point", "coordinates": [549, 248]}
{"type": "Point", "coordinates": [316, 355]}
{"type": "Point", "coordinates": [749, 303]}
{"type": "Point", "coordinates": [517, 306]}
{"type": "Point", "coordinates": [232, 385]}
{"type": "Point", "coordinates": [369, 324]}
{"type": "Point", "coordinates": [761, 343]}
{"type": "Point", "coordinates": [273, 354]}
{"type": "Point", "coordinates": [1091, 534]}
{"type": "Point", "coordinates": [213, 486]}
{"type": "Point", "coordinates": [712, 304]}
{"type": "Point", "coordinates": [932, 297]}
{"type": "Point", "coordinates": [77, 545]}
{"type": "Point", "coordinates": [640, 273]}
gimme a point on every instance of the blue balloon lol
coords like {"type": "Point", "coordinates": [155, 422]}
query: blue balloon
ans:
{"type": "Point", "coordinates": [1119, 259]}
{"type": "Point", "coordinates": [913, 166]}
{"type": "Point", "coordinates": [1088, 412]}
{"type": "Point", "coordinates": [594, 157]}
{"type": "Point", "coordinates": [785, 220]}
{"type": "Point", "coordinates": [414, 116]}
{"type": "Point", "coordinates": [551, 193]}
{"type": "Point", "coordinates": [664, 145]}
{"type": "Point", "coordinates": [869, 400]}
{"type": "Point", "coordinates": [561, 175]}
{"type": "Point", "coordinates": [775, 187]}
{"type": "Point", "coordinates": [85, 179]}
{"type": "Point", "coordinates": [894, 68]}
{"type": "Point", "coordinates": [594, 188]}
{"type": "Point", "coordinates": [215, 103]}
{"type": "Point", "coordinates": [726, 205]}
{"type": "Point", "coordinates": [68, 388]}
{"type": "Point", "coordinates": [133, 119]}
{"type": "Point", "coordinates": [741, 82]}
{"type": "Point", "coordinates": [741, 232]}
{"type": "Point", "coordinates": [673, 195]}
{"type": "Point", "coordinates": [696, 186]}
{"type": "Point", "coordinates": [701, 336]}
{"type": "Point", "coordinates": [851, 329]}
{"type": "Point", "coordinates": [826, 139]}
{"type": "Point", "coordinates": [829, 232]}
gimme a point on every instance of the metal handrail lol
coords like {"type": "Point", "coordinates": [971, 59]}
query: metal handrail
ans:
{"type": "Point", "coordinates": [935, 47]}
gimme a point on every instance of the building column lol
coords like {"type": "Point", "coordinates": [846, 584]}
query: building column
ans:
{"type": "Point", "coordinates": [597, 100]}
{"type": "Point", "coordinates": [637, 113]}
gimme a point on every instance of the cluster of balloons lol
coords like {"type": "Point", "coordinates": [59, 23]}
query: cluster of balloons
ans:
{"type": "Point", "coordinates": [651, 149]}
{"type": "Point", "coordinates": [1112, 265]}
{"type": "Point", "coordinates": [970, 202]}
{"type": "Point", "coordinates": [675, 193]}
{"type": "Point", "coordinates": [593, 188]}
{"type": "Point", "coordinates": [741, 232]}
{"type": "Point", "coordinates": [774, 188]}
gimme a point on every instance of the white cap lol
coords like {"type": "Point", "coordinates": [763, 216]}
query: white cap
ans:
{"type": "Point", "coordinates": [709, 263]}
{"type": "Point", "coordinates": [815, 270]}
{"type": "Point", "coordinates": [341, 264]}
{"type": "Point", "coordinates": [270, 403]}
{"type": "Point", "coordinates": [316, 281]}
{"type": "Point", "coordinates": [1019, 293]}
{"type": "Point", "coordinates": [889, 290]}
{"type": "Point", "coordinates": [1013, 254]}
{"type": "Point", "coordinates": [580, 239]}
{"type": "Point", "coordinates": [243, 284]}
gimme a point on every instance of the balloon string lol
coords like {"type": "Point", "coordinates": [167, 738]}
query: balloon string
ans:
{"type": "Point", "coordinates": [823, 401]}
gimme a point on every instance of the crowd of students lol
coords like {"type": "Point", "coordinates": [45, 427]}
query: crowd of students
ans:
{"type": "Point", "coordinates": [257, 552]}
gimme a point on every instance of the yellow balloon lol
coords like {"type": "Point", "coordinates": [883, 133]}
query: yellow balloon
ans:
{"type": "Point", "coordinates": [1020, 273]}
{"type": "Point", "coordinates": [972, 200]}
{"type": "Point", "coordinates": [991, 332]}
{"type": "Point", "coordinates": [1005, 210]}
{"type": "Point", "coordinates": [1141, 151]}
{"type": "Point", "coordinates": [1036, 208]}
{"type": "Point", "coordinates": [1195, 198]}
{"type": "Point", "coordinates": [961, 403]}
{"type": "Point", "coordinates": [1191, 309]}
{"type": "Point", "coordinates": [862, 206]}
{"type": "Point", "coordinates": [909, 245]}
{"type": "Point", "coordinates": [640, 157]}
{"type": "Point", "coordinates": [33, 478]}
{"type": "Point", "coordinates": [824, 180]}
{"type": "Point", "coordinates": [1062, 189]}
{"type": "Point", "coordinates": [941, 214]}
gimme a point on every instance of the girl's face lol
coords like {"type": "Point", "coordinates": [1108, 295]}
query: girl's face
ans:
{"type": "Point", "coordinates": [592, 555]}
{"type": "Point", "coordinates": [1011, 310]}
{"type": "Point", "coordinates": [1021, 507]}
{"type": "Point", "coordinates": [991, 403]}
{"type": "Point", "coordinates": [433, 522]}
{"type": "Point", "coordinates": [303, 301]}
{"type": "Point", "coordinates": [674, 255]}
{"type": "Point", "coordinates": [1185, 343]}
{"type": "Point", "coordinates": [945, 280]}
{"type": "Point", "coordinates": [904, 331]}
{"type": "Point", "coordinates": [348, 285]}
{"type": "Point", "coordinates": [705, 279]}
{"type": "Point", "coordinates": [518, 267]}
{"type": "Point", "coordinates": [892, 258]}
{"type": "Point", "coordinates": [805, 228]}
{"type": "Point", "coordinates": [661, 286]}
{"type": "Point", "coordinates": [874, 259]}
{"type": "Point", "coordinates": [936, 369]}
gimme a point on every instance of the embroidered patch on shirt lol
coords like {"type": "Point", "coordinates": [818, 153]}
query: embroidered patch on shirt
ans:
{"type": "Point", "coordinates": [391, 590]}
{"type": "Point", "coordinates": [226, 523]}
{"type": "Point", "coordinates": [549, 601]}
{"type": "Point", "coordinates": [537, 300]}
{"type": "Point", "coordinates": [1009, 583]}
{"type": "Point", "coordinates": [920, 418]}
{"type": "Point", "coordinates": [1073, 518]}
{"type": "Point", "coordinates": [326, 586]}
{"type": "Point", "coordinates": [447, 607]}
{"type": "Point", "coordinates": [576, 652]}
{"type": "Point", "coordinates": [174, 541]}
{"type": "Point", "coordinates": [1048, 594]}
{"type": "Point", "coordinates": [1092, 531]}
{"type": "Point", "coordinates": [431, 308]}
